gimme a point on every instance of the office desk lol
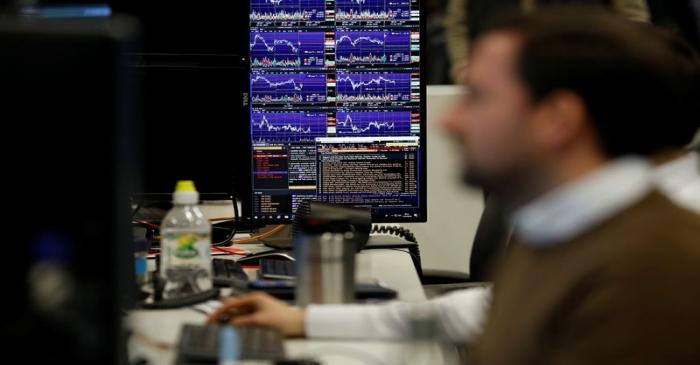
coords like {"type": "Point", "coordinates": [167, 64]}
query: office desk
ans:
{"type": "Point", "coordinates": [156, 331]}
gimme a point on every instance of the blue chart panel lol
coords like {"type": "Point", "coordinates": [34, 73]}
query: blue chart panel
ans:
{"type": "Point", "coordinates": [288, 88]}
{"type": "Point", "coordinates": [364, 10]}
{"type": "Point", "coordinates": [374, 87]}
{"type": "Point", "coordinates": [361, 47]}
{"type": "Point", "coordinates": [287, 10]}
{"type": "Point", "coordinates": [373, 123]}
{"type": "Point", "coordinates": [288, 126]}
{"type": "Point", "coordinates": [287, 49]}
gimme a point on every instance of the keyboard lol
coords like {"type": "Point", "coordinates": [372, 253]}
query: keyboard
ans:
{"type": "Point", "coordinates": [286, 290]}
{"type": "Point", "coordinates": [228, 273]}
{"type": "Point", "coordinates": [277, 269]}
{"type": "Point", "coordinates": [199, 344]}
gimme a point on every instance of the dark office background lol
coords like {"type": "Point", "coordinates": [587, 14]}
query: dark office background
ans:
{"type": "Point", "coordinates": [170, 26]}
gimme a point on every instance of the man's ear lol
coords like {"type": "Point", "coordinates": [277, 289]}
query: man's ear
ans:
{"type": "Point", "coordinates": [562, 117]}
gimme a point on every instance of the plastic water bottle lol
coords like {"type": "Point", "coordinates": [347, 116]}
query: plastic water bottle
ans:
{"type": "Point", "coordinates": [185, 245]}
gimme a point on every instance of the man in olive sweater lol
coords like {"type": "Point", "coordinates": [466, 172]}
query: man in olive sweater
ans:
{"type": "Point", "coordinates": [603, 269]}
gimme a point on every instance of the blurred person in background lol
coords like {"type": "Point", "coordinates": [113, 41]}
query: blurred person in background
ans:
{"type": "Point", "coordinates": [466, 19]}
{"type": "Point", "coordinates": [437, 62]}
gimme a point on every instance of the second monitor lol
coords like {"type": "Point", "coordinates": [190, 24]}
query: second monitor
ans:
{"type": "Point", "coordinates": [337, 108]}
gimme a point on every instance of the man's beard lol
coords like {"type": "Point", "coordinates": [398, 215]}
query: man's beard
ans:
{"type": "Point", "coordinates": [471, 177]}
{"type": "Point", "coordinates": [506, 183]}
{"type": "Point", "coordinates": [474, 176]}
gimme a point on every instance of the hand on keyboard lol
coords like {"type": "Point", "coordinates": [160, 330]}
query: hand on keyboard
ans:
{"type": "Point", "coordinates": [260, 309]}
{"type": "Point", "coordinates": [200, 344]}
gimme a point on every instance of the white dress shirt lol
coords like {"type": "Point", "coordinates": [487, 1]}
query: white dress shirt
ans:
{"type": "Point", "coordinates": [460, 315]}
{"type": "Point", "coordinates": [555, 217]}
{"type": "Point", "coordinates": [679, 179]}
{"type": "Point", "coordinates": [566, 212]}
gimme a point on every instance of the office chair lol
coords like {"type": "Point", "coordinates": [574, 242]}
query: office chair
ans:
{"type": "Point", "coordinates": [695, 144]}
{"type": "Point", "coordinates": [679, 16]}
{"type": "Point", "coordinates": [492, 235]}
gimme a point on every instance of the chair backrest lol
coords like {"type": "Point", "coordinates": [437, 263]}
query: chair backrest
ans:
{"type": "Point", "coordinates": [682, 16]}
{"type": "Point", "coordinates": [695, 144]}
{"type": "Point", "coordinates": [491, 238]}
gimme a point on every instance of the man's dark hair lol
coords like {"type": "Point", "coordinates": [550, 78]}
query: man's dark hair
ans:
{"type": "Point", "coordinates": [639, 85]}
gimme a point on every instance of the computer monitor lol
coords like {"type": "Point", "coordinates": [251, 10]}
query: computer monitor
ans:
{"type": "Point", "coordinates": [203, 27]}
{"type": "Point", "coordinates": [68, 265]}
{"type": "Point", "coordinates": [337, 107]}
{"type": "Point", "coordinates": [193, 71]}
{"type": "Point", "coordinates": [192, 115]}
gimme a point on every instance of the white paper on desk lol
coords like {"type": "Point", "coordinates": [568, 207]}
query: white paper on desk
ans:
{"type": "Point", "coordinates": [208, 307]}
{"type": "Point", "coordinates": [363, 270]}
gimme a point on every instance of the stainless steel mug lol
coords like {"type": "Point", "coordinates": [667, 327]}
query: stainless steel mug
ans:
{"type": "Point", "coordinates": [325, 266]}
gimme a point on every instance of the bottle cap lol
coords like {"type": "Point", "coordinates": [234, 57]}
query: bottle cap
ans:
{"type": "Point", "coordinates": [185, 193]}
{"type": "Point", "coordinates": [185, 185]}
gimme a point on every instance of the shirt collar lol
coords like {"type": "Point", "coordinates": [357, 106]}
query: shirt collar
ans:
{"type": "Point", "coordinates": [679, 179]}
{"type": "Point", "coordinates": [673, 175]}
{"type": "Point", "coordinates": [566, 212]}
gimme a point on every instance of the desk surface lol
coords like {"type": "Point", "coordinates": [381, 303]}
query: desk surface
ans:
{"type": "Point", "coordinates": [155, 332]}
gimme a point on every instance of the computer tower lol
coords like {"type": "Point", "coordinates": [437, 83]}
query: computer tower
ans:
{"type": "Point", "coordinates": [69, 115]}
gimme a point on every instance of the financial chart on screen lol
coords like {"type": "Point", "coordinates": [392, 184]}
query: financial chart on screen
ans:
{"type": "Point", "coordinates": [337, 107]}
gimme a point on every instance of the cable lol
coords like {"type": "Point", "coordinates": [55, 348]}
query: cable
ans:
{"type": "Point", "coordinates": [232, 250]}
{"type": "Point", "coordinates": [411, 245]}
{"type": "Point", "coordinates": [225, 243]}
{"type": "Point", "coordinates": [138, 207]}
{"type": "Point", "coordinates": [404, 250]}
{"type": "Point", "coordinates": [228, 241]}
{"type": "Point", "coordinates": [223, 219]}
{"type": "Point", "coordinates": [261, 236]}
{"type": "Point", "coordinates": [396, 231]}
{"type": "Point", "coordinates": [146, 224]}
{"type": "Point", "coordinates": [236, 215]}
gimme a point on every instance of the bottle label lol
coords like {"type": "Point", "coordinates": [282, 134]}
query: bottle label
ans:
{"type": "Point", "coordinates": [185, 264]}
{"type": "Point", "coordinates": [187, 249]}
